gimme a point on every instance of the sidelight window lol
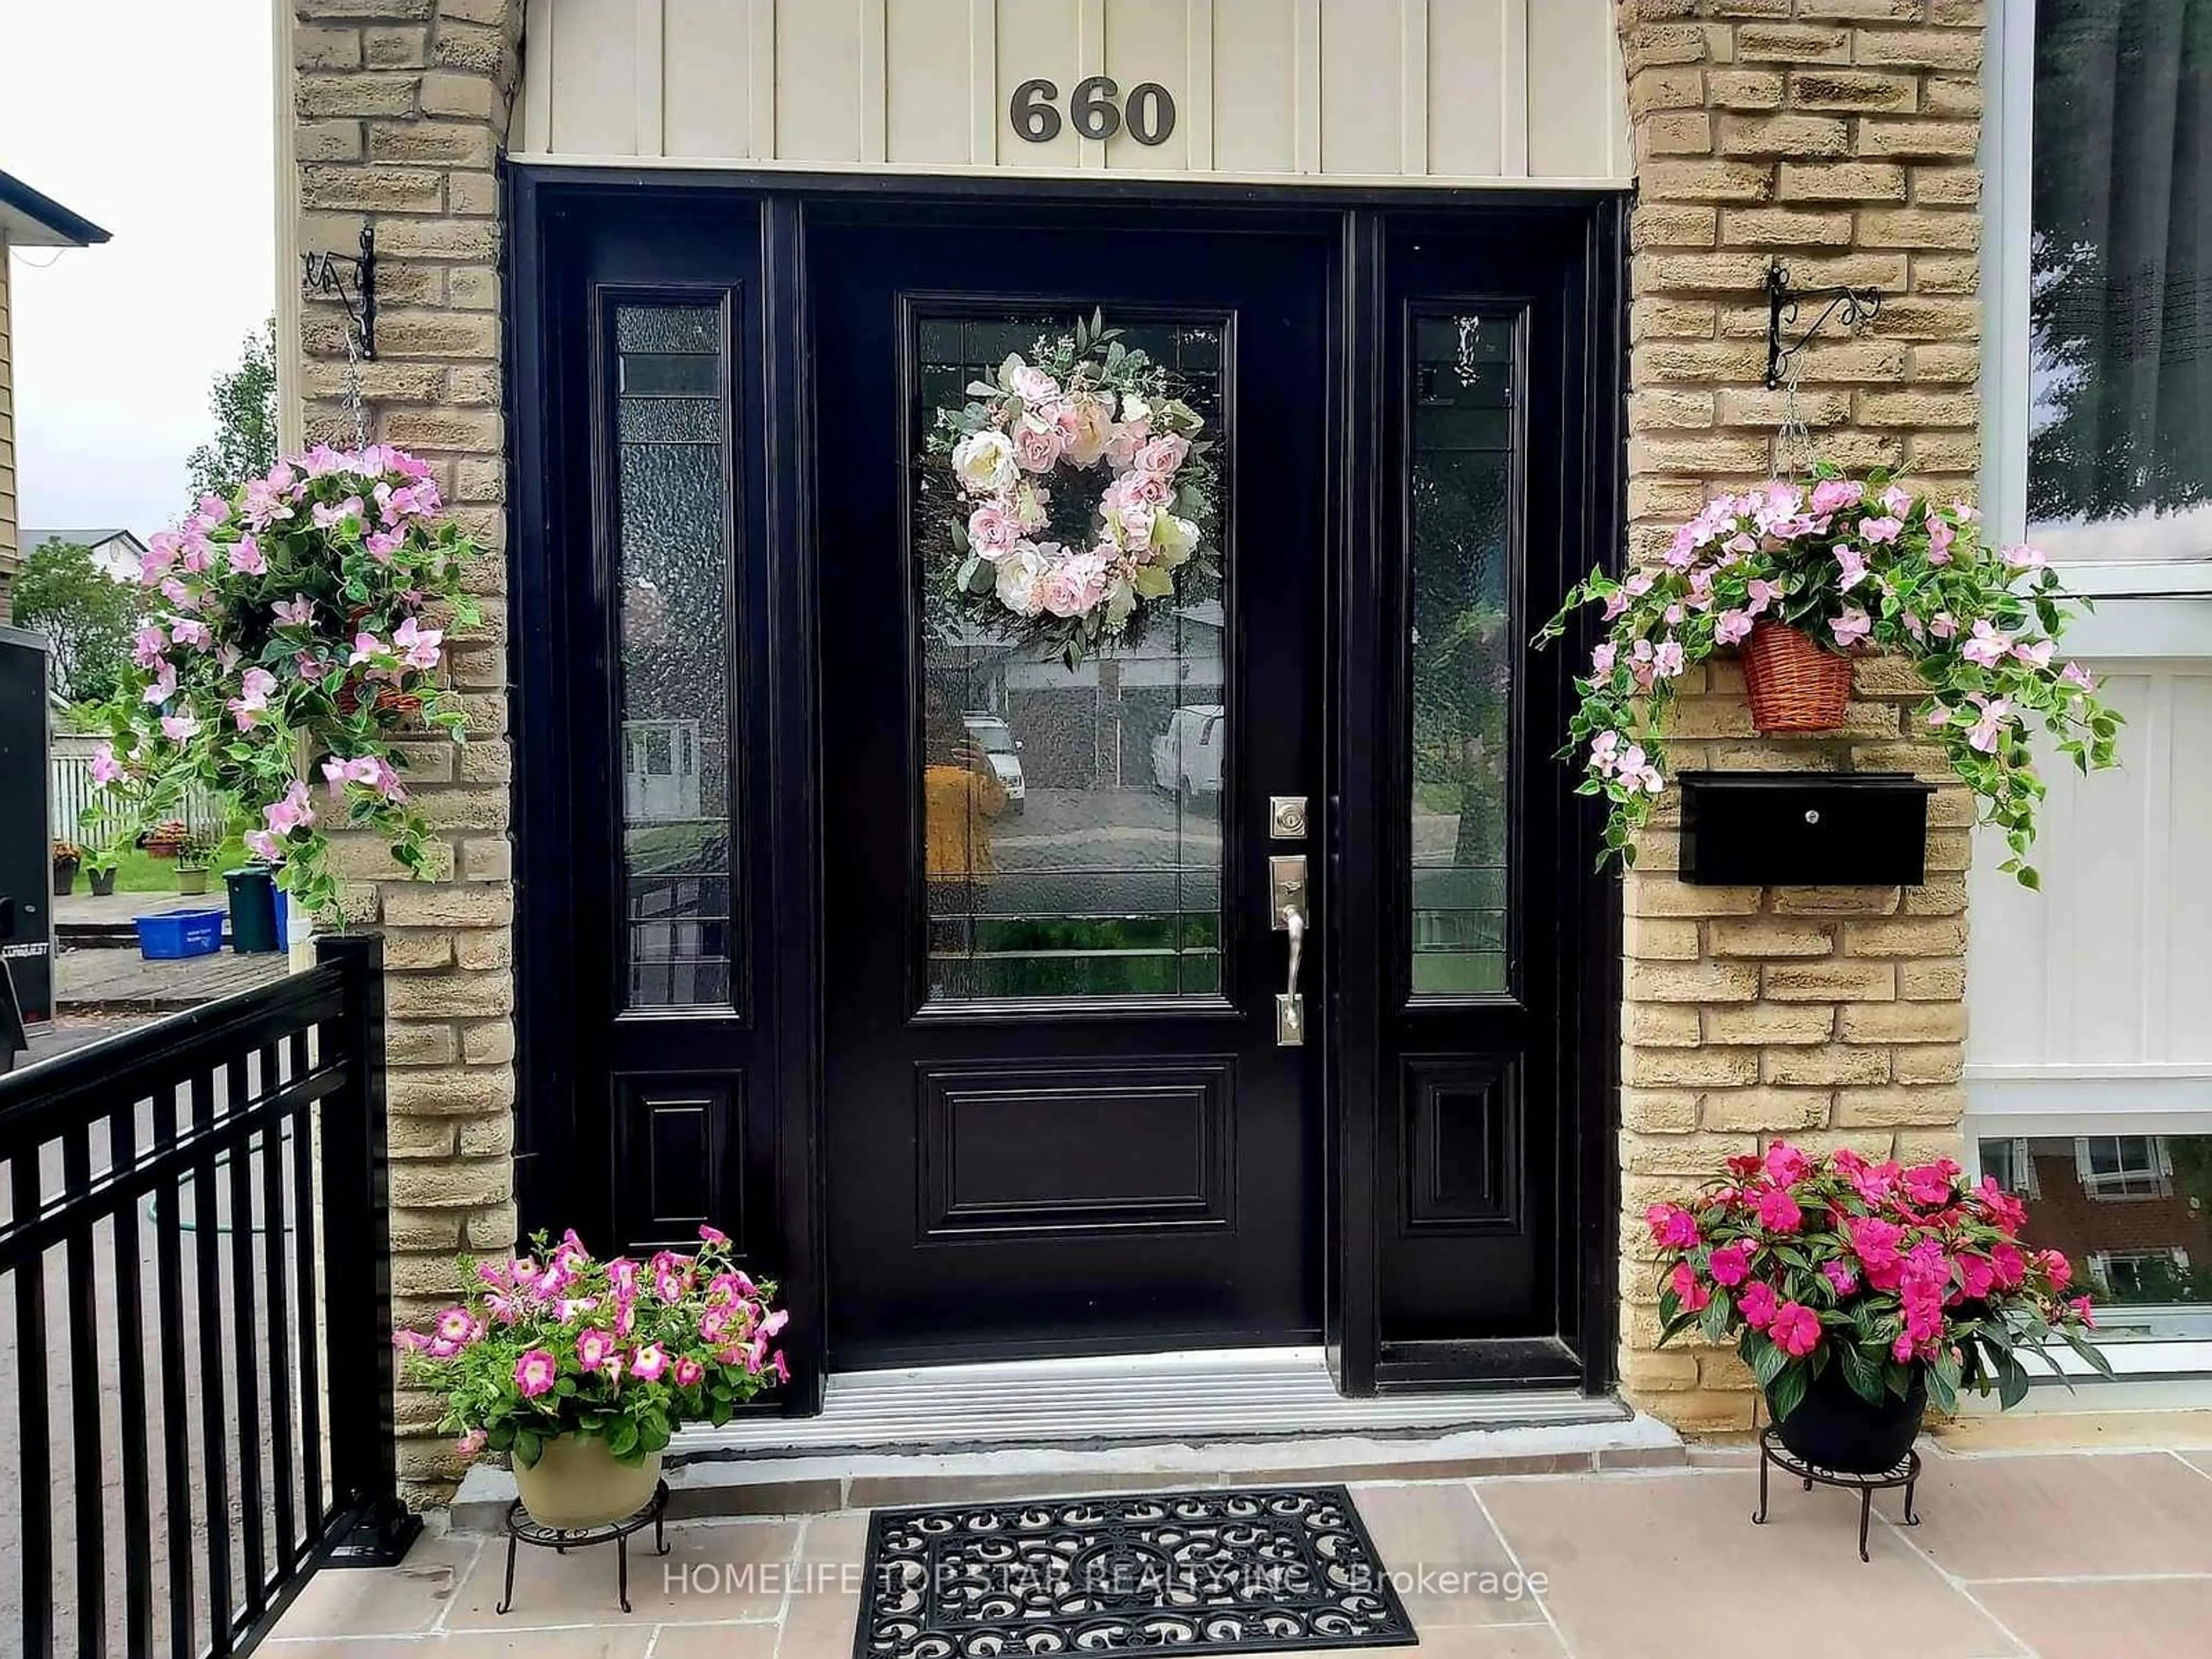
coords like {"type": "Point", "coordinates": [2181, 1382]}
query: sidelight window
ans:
{"type": "Point", "coordinates": [670, 581]}
{"type": "Point", "coordinates": [1460, 502]}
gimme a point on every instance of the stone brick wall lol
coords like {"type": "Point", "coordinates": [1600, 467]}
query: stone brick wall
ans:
{"type": "Point", "coordinates": [401, 112]}
{"type": "Point", "coordinates": [8, 551]}
{"type": "Point", "coordinates": [1841, 135]}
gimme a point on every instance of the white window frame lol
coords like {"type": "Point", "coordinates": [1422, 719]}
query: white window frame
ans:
{"type": "Point", "coordinates": [2146, 609]}
{"type": "Point", "coordinates": [2096, 1184]}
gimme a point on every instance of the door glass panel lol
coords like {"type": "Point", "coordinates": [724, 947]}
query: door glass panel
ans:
{"type": "Point", "coordinates": [673, 604]}
{"type": "Point", "coordinates": [1463, 643]}
{"type": "Point", "coordinates": [1072, 818]}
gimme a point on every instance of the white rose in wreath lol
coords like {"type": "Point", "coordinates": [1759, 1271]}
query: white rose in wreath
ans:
{"type": "Point", "coordinates": [1175, 539]}
{"type": "Point", "coordinates": [1079, 570]}
{"type": "Point", "coordinates": [983, 462]}
{"type": "Point", "coordinates": [1019, 574]}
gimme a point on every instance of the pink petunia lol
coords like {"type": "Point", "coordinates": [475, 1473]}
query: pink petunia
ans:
{"type": "Point", "coordinates": [535, 1373]}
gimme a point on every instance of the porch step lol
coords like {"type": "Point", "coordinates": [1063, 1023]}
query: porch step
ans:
{"type": "Point", "coordinates": [1055, 1426]}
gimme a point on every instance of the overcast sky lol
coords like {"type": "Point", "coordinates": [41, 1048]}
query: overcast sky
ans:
{"type": "Point", "coordinates": [152, 118]}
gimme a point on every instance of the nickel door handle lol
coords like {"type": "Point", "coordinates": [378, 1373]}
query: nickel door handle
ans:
{"type": "Point", "coordinates": [1291, 1006]}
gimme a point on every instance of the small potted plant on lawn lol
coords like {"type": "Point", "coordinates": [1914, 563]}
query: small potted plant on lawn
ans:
{"type": "Point", "coordinates": [583, 1369]}
{"type": "Point", "coordinates": [194, 856]}
{"type": "Point", "coordinates": [68, 856]}
{"type": "Point", "coordinates": [1798, 579]}
{"type": "Point", "coordinates": [1856, 1292]}
{"type": "Point", "coordinates": [296, 636]}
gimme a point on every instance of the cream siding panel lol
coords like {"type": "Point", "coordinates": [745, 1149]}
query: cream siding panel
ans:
{"type": "Point", "coordinates": [595, 70]}
{"type": "Point", "coordinates": [1573, 91]}
{"type": "Point", "coordinates": [2106, 969]}
{"type": "Point", "coordinates": [706, 59]}
{"type": "Point", "coordinates": [1039, 39]}
{"type": "Point", "coordinates": [1255, 90]}
{"type": "Point", "coordinates": [1466, 86]}
{"type": "Point", "coordinates": [818, 78]}
{"type": "Point", "coordinates": [1463, 91]}
{"type": "Point", "coordinates": [1150, 40]}
{"type": "Point", "coordinates": [1361, 91]}
{"type": "Point", "coordinates": [928, 119]}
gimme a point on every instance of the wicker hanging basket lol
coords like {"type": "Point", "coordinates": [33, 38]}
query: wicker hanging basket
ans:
{"type": "Point", "coordinates": [1796, 683]}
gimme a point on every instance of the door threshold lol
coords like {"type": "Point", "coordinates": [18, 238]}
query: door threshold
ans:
{"type": "Point", "coordinates": [1042, 1428]}
{"type": "Point", "coordinates": [1124, 1398]}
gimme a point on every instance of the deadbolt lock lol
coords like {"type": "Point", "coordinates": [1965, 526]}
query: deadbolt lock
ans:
{"type": "Point", "coordinates": [1286, 817]}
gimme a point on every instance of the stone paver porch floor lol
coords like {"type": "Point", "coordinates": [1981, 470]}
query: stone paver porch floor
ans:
{"type": "Point", "coordinates": [2100, 1555]}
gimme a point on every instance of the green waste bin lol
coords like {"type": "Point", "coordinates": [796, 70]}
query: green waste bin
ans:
{"type": "Point", "coordinates": [254, 923]}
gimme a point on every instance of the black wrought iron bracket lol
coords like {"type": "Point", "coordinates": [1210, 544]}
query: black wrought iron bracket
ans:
{"type": "Point", "coordinates": [328, 273]}
{"type": "Point", "coordinates": [1858, 306]}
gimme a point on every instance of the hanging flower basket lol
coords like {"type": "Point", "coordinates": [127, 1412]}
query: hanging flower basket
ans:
{"type": "Point", "coordinates": [1795, 683]}
{"type": "Point", "coordinates": [1799, 576]}
{"type": "Point", "coordinates": [288, 651]}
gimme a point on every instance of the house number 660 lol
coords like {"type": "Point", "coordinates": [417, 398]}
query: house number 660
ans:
{"type": "Point", "coordinates": [1094, 109]}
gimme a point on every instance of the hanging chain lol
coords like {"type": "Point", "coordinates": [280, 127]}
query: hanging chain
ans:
{"type": "Point", "coordinates": [1793, 450]}
{"type": "Point", "coordinates": [356, 405]}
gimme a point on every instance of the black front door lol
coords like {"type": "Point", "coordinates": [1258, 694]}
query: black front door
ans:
{"type": "Point", "coordinates": [1058, 1116]}
{"type": "Point", "coordinates": [1012, 1084]}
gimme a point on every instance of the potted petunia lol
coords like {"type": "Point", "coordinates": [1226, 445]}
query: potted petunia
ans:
{"type": "Point", "coordinates": [295, 637]}
{"type": "Point", "coordinates": [194, 857]}
{"type": "Point", "coordinates": [1800, 577]}
{"type": "Point", "coordinates": [582, 1370]}
{"type": "Point", "coordinates": [1856, 1292]}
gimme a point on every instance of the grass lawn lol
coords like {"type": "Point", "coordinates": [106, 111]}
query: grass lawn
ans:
{"type": "Point", "coordinates": [139, 872]}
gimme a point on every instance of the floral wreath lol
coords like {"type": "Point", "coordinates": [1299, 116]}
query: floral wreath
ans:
{"type": "Point", "coordinates": [1057, 570]}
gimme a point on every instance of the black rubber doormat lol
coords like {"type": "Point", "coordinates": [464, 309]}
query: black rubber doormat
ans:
{"type": "Point", "coordinates": [1259, 1570]}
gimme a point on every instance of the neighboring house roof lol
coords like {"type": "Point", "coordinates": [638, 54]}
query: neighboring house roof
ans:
{"type": "Point", "coordinates": [116, 552]}
{"type": "Point", "coordinates": [30, 220]}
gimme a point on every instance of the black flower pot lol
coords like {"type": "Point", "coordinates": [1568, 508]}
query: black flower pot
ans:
{"type": "Point", "coordinates": [1834, 1429]}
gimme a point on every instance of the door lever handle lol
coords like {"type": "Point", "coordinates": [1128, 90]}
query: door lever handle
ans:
{"type": "Point", "coordinates": [1291, 1007]}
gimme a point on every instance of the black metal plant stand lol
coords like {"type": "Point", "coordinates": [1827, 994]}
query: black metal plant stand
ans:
{"type": "Point", "coordinates": [1906, 1474]}
{"type": "Point", "coordinates": [521, 1529]}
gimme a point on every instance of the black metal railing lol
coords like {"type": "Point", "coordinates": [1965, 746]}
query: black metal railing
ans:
{"type": "Point", "coordinates": [195, 1304]}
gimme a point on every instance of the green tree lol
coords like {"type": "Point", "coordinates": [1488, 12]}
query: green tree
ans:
{"type": "Point", "coordinates": [87, 616]}
{"type": "Point", "coordinates": [244, 401]}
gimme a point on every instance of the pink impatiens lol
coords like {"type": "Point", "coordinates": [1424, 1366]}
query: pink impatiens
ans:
{"type": "Point", "coordinates": [1905, 1267]}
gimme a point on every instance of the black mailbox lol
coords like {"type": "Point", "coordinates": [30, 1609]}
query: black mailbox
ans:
{"type": "Point", "coordinates": [1804, 829]}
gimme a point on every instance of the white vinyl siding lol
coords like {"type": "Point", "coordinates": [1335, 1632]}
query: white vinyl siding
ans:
{"type": "Point", "coordinates": [1462, 91]}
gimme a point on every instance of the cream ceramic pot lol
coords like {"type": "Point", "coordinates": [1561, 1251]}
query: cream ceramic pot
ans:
{"type": "Point", "coordinates": [576, 1483]}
